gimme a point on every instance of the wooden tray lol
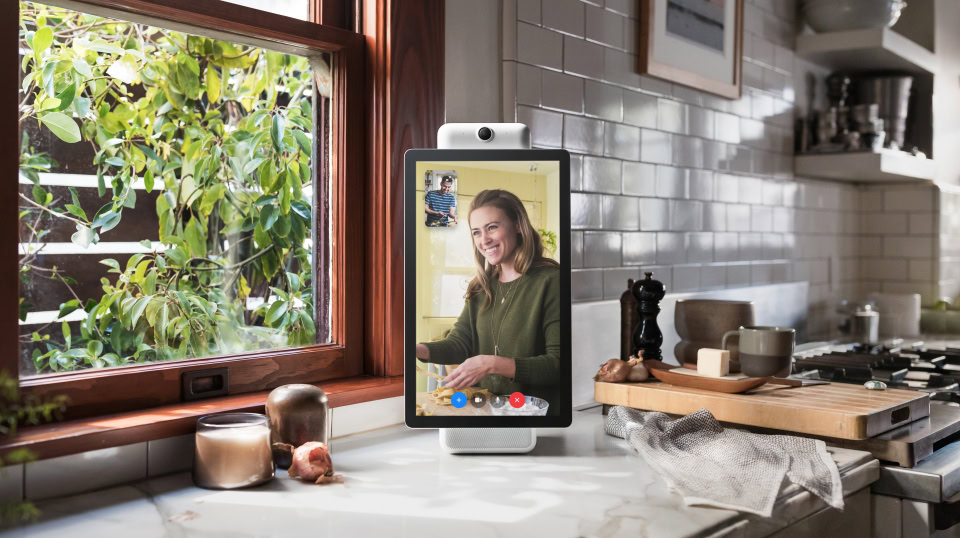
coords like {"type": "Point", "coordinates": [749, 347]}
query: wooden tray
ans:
{"type": "Point", "coordinates": [836, 410]}
{"type": "Point", "coordinates": [663, 372]}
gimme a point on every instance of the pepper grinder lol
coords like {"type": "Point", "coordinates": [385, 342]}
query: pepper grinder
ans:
{"type": "Point", "coordinates": [628, 320]}
{"type": "Point", "coordinates": [647, 336]}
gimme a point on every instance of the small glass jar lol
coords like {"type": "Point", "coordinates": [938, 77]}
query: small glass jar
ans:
{"type": "Point", "coordinates": [232, 451]}
{"type": "Point", "coordinates": [297, 414]}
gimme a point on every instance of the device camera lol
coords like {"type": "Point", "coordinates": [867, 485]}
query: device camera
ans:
{"type": "Point", "coordinates": [485, 133]}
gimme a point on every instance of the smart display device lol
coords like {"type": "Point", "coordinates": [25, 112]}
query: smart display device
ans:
{"type": "Point", "coordinates": [487, 291]}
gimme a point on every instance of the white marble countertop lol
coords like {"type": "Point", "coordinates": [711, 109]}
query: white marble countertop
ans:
{"type": "Point", "coordinates": [577, 482]}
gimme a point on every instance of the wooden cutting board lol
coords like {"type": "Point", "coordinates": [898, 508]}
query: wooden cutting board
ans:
{"type": "Point", "coordinates": [838, 410]}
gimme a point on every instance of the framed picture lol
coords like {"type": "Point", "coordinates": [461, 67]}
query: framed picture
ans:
{"type": "Point", "coordinates": [697, 43]}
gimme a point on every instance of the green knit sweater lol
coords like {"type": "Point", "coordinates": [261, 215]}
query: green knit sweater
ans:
{"type": "Point", "coordinates": [528, 325]}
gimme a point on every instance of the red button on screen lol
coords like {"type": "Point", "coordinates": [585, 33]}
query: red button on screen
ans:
{"type": "Point", "coordinates": [517, 399]}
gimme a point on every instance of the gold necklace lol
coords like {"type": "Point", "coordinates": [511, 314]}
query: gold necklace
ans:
{"type": "Point", "coordinates": [513, 293]}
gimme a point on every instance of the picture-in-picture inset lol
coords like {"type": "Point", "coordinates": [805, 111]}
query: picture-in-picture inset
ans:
{"type": "Point", "coordinates": [440, 199]}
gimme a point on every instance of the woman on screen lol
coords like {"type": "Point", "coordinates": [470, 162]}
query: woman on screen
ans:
{"type": "Point", "coordinates": [507, 338]}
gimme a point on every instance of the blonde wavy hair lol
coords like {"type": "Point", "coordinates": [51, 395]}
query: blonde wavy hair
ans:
{"type": "Point", "coordinates": [529, 249]}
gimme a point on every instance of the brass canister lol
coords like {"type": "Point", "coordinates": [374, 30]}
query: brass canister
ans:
{"type": "Point", "coordinates": [297, 414]}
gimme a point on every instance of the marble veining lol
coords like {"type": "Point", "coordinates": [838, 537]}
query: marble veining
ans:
{"type": "Point", "coordinates": [577, 482]}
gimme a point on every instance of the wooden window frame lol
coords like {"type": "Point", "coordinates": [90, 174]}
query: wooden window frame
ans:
{"type": "Point", "coordinates": [107, 391]}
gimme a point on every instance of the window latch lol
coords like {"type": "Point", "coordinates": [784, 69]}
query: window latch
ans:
{"type": "Point", "coordinates": [199, 384]}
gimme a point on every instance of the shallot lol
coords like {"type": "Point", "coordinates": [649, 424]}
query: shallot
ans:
{"type": "Point", "coordinates": [311, 461]}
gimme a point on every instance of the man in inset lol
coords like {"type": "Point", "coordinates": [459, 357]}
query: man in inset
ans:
{"type": "Point", "coordinates": [441, 205]}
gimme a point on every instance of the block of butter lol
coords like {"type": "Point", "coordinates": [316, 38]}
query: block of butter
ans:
{"type": "Point", "coordinates": [713, 362]}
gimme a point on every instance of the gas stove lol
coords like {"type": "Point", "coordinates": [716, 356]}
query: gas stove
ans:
{"type": "Point", "coordinates": [902, 364]}
{"type": "Point", "coordinates": [920, 461]}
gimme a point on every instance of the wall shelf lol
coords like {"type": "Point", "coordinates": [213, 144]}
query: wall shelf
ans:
{"type": "Point", "coordinates": [879, 49]}
{"type": "Point", "coordinates": [888, 165]}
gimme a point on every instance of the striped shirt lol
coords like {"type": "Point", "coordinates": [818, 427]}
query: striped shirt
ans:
{"type": "Point", "coordinates": [439, 202]}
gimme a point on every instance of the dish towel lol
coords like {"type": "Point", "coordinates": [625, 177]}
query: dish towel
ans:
{"type": "Point", "coordinates": [726, 468]}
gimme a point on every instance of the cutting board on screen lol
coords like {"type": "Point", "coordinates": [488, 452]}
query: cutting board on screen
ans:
{"type": "Point", "coordinates": [838, 410]}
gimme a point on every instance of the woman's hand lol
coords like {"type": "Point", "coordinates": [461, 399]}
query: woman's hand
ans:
{"type": "Point", "coordinates": [476, 368]}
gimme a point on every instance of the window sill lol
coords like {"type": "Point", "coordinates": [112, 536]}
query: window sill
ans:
{"type": "Point", "coordinates": [66, 438]}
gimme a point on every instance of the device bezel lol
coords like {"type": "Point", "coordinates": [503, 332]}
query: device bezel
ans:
{"type": "Point", "coordinates": [412, 219]}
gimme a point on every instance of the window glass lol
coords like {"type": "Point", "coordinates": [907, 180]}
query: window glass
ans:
{"type": "Point", "coordinates": [166, 206]}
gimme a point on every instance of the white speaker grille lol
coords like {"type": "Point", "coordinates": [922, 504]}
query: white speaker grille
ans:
{"type": "Point", "coordinates": [487, 440]}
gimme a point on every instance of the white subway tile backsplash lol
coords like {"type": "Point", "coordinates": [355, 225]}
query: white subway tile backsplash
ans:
{"type": "Point", "coordinates": [715, 155]}
{"type": "Point", "coordinates": [630, 8]}
{"type": "Point", "coordinates": [583, 134]}
{"type": "Point", "coordinates": [922, 223]}
{"type": "Point", "coordinates": [576, 250]}
{"type": "Point", "coordinates": [883, 269]}
{"type": "Point", "coordinates": [561, 91]}
{"type": "Point", "coordinates": [604, 27]}
{"type": "Point", "coordinates": [671, 182]}
{"type": "Point", "coordinates": [528, 11]}
{"type": "Point", "coordinates": [883, 223]}
{"type": "Point", "coordinates": [751, 190]}
{"type": "Point", "coordinates": [654, 214]}
{"type": "Point", "coordinates": [908, 247]}
{"type": "Point", "coordinates": [752, 133]}
{"type": "Point", "coordinates": [772, 193]}
{"type": "Point", "coordinates": [576, 172]}
{"type": "Point", "coordinates": [639, 248]}
{"type": "Point", "coordinates": [528, 85]}
{"type": "Point", "coordinates": [621, 141]}
{"type": "Point", "coordinates": [700, 122]}
{"type": "Point", "coordinates": [672, 116]}
{"type": "Point", "coordinates": [585, 211]}
{"type": "Point", "coordinates": [686, 278]}
{"type": "Point", "coordinates": [601, 174]}
{"type": "Point", "coordinates": [602, 249]}
{"type": "Point", "coordinates": [761, 218]}
{"type": "Point", "coordinates": [670, 248]}
{"type": "Point", "coordinates": [546, 128]}
{"type": "Point", "coordinates": [604, 101]}
{"type": "Point", "coordinates": [615, 280]}
{"type": "Point", "coordinates": [655, 85]}
{"type": "Point", "coordinates": [921, 270]}
{"type": "Point", "coordinates": [586, 284]}
{"type": "Point", "coordinates": [726, 247]}
{"type": "Point", "coordinates": [726, 128]}
{"type": "Point", "coordinates": [713, 276]}
{"type": "Point", "coordinates": [539, 46]}
{"type": "Point", "coordinates": [639, 109]}
{"type": "Point", "coordinates": [740, 159]}
{"type": "Point", "coordinates": [639, 179]}
{"type": "Point", "coordinates": [700, 184]}
{"type": "Point", "coordinates": [565, 16]}
{"type": "Point", "coordinates": [699, 247]}
{"type": "Point", "coordinates": [688, 151]}
{"type": "Point", "coordinates": [751, 246]}
{"type": "Point", "coordinates": [714, 217]}
{"type": "Point", "coordinates": [686, 216]}
{"type": "Point", "coordinates": [582, 57]}
{"type": "Point", "coordinates": [656, 147]}
{"type": "Point", "coordinates": [620, 213]}
{"type": "Point", "coordinates": [920, 199]}
{"type": "Point", "coordinates": [738, 275]}
{"type": "Point", "coordinates": [727, 188]}
{"type": "Point", "coordinates": [620, 68]}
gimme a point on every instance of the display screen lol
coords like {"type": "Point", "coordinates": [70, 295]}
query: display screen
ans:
{"type": "Point", "coordinates": [488, 290]}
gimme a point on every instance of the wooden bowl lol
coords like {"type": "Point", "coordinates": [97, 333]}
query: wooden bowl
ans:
{"type": "Point", "coordinates": [662, 372]}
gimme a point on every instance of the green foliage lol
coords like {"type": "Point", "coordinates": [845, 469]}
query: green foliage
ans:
{"type": "Point", "coordinates": [549, 240]}
{"type": "Point", "coordinates": [223, 132]}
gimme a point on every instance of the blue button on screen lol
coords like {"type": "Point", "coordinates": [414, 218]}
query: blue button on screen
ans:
{"type": "Point", "coordinates": [458, 399]}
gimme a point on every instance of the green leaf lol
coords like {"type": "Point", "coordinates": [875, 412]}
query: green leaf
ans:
{"type": "Point", "coordinates": [65, 327]}
{"type": "Point", "coordinates": [140, 271]}
{"type": "Point", "coordinates": [108, 221]}
{"type": "Point", "coordinates": [277, 130]}
{"type": "Point", "coordinates": [42, 39]}
{"type": "Point", "coordinates": [114, 265]}
{"type": "Point", "coordinates": [95, 347]}
{"type": "Point", "coordinates": [196, 239]}
{"type": "Point", "coordinates": [82, 67]}
{"type": "Point", "coordinates": [268, 216]}
{"type": "Point", "coordinates": [213, 84]}
{"type": "Point", "coordinates": [75, 196]}
{"type": "Point", "coordinates": [39, 194]}
{"type": "Point", "coordinates": [150, 283]}
{"type": "Point", "coordinates": [148, 180]}
{"type": "Point", "coordinates": [261, 237]}
{"type": "Point", "coordinates": [138, 309]}
{"type": "Point", "coordinates": [124, 69]}
{"type": "Point", "coordinates": [67, 307]}
{"type": "Point", "coordinates": [294, 282]}
{"type": "Point", "coordinates": [66, 97]}
{"type": "Point", "coordinates": [189, 81]}
{"type": "Point", "coordinates": [84, 236]}
{"type": "Point", "coordinates": [62, 125]}
{"type": "Point", "coordinates": [101, 183]}
{"type": "Point", "coordinates": [304, 141]}
{"type": "Point", "coordinates": [270, 262]}
{"type": "Point", "coordinates": [301, 208]}
{"type": "Point", "coordinates": [276, 311]}
{"type": "Point", "coordinates": [211, 197]}
{"type": "Point", "coordinates": [76, 211]}
{"type": "Point", "coordinates": [282, 227]}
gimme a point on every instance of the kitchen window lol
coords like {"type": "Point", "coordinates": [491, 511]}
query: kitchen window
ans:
{"type": "Point", "coordinates": [182, 200]}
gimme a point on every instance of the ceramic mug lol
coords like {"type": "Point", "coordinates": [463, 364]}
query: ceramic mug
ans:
{"type": "Point", "coordinates": [764, 351]}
